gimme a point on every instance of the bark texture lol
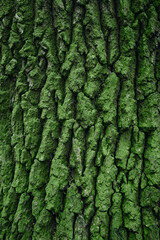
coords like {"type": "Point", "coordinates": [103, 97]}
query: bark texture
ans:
{"type": "Point", "coordinates": [80, 119]}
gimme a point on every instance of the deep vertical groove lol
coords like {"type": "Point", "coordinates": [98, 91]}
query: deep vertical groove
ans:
{"type": "Point", "coordinates": [110, 216]}
{"type": "Point", "coordinates": [157, 61]}
{"type": "Point", "coordinates": [54, 30]}
{"type": "Point", "coordinates": [130, 151]}
{"type": "Point", "coordinates": [85, 150]}
{"type": "Point", "coordinates": [95, 183]}
{"type": "Point", "coordinates": [74, 222]}
{"type": "Point", "coordinates": [136, 69]}
{"type": "Point", "coordinates": [108, 50]}
{"type": "Point", "coordinates": [118, 33]}
{"type": "Point", "coordinates": [72, 12]}
{"type": "Point", "coordinates": [139, 187]}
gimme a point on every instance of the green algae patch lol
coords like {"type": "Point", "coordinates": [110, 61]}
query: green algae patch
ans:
{"type": "Point", "coordinates": [86, 112]}
{"type": "Point", "coordinates": [108, 98]}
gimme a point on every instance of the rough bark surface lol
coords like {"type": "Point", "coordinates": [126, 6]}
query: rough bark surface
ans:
{"type": "Point", "coordinates": [80, 119]}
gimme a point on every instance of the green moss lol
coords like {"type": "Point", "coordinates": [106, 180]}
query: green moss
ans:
{"type": "Point", "coordinates": [6, 164]}
{"type": "Point", "coordinates": [125, 67]}
{"type": "Point", "coordinates": [73, 205]}
{"type": "Point", "coordinates": [43, 226]}
{"type": "Point", "coordinates": [26, 159]}
{"type": "Point", "coordinates": [109, 140]}
{"type": "Point", "coordinates": [148, 113]}
{"type": "Point", "coordinates": [23, 217]}
{"type": "Point", "coordinates": [38, 202]}
{"type": "Point", "coordinates": [98, 228]}
{"type": "Point", "coordinates": [108, 97]}
{"type": "Point", "coordinates": [127, 39]}
{"type": "Point", "coordinates": [123, 149]}
{"type": "Point", "coordinates": [65, 110]}
{"type": "Point", "coordinates": [76, 157]}
{"type": "Point", "coordinates": [95, 78]}
{"type": "Point", "coordinates": [10, 67]}
{"type": "Point", "coordinates": [48, 140]}
{"type": "Point", "coordinates": [146, 83]}
{"type": "Point", "coordinates": [38, 175]}
{"type": "Point", "coordinates": [86, 111]}
{"type": "Point", "coordinates": [20, 181]}
{"type": "Point", "coordinates": [152, 159]}
{"type": "Point", "coordinates": [80, 228]}
{"type": "Point", "coordinates": [151, 227]}
{"type": "Point", "coordinates": [104, 185]}
{"type": "Point", "coordinates": [76, 76]}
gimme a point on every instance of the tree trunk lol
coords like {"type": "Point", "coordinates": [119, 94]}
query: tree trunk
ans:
{"type": "Point", "coordinates": [80, 119]}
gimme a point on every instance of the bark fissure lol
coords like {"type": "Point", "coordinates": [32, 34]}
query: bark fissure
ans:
{"type": "Point", "coordinates": [118, 33]}
{"type": "Point", "coordinates": [139, 187]}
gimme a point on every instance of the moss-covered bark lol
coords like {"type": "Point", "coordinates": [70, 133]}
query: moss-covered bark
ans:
{"type": "Point", "coordinates": [79, 119]}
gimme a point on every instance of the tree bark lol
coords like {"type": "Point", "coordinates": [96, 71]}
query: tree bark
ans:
{"type": "Point", "coordinates": [80, 119]}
